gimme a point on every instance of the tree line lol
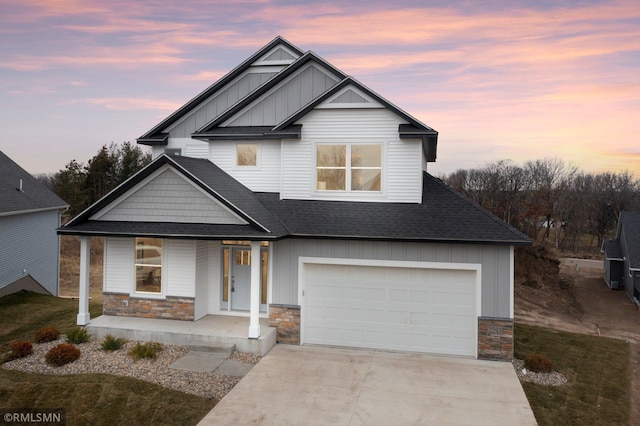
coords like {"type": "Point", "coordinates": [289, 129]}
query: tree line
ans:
{"type": "Point", "coordinates": [550, 200]}
{"type": "Point", "coordinates": [81, 184]}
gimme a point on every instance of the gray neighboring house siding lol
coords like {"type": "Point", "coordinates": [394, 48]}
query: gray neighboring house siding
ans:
{"type": "Point", "coordinates": [29, 244]}
{"type": "Point", "coordinates": [622, 256]}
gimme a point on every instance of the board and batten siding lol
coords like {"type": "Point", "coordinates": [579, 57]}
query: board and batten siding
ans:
{"type": "Point", "coordinates": [401, 162]}
{"type": "Point", "coordinates": [220, 102]}
{"type": "Point", "coordinates": [29, 245]}
{"type": "Point", "coordinates": [495, 261]}
{"type": "Point", "coordinates": [265, 177]}
{"type": "Point", "coordinates": [168, 197]}
{"type": "Point", "coordinates": [286, 99]}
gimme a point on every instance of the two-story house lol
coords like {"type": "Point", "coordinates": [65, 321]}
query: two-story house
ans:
{"type": "Point", "coordinates": [289, 190]}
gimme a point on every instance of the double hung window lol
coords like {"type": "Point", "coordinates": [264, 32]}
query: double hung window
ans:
{"type": "Point", "coordinates": [348, 167]}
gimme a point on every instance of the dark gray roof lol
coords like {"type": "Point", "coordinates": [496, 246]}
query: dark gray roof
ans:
{"type": "Point", "coordinates": [34, 195]}
{"type": "Point", "coordinates": [155, 135]}
{"type": "Point", "coordinates": [443, 216]}
{"type": "Point", "coordinates": [612, 249]}
{"type": "Point", "coordinates": [630, 223]}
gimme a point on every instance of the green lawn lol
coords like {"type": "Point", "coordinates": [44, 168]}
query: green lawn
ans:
{"type": "Point", "coordinates": [95, 399]}
{"type": "Point", "coordinates": [597, 369]}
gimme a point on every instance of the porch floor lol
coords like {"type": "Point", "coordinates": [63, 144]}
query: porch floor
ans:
{"type": "Point", "coordinates": [210, 329]}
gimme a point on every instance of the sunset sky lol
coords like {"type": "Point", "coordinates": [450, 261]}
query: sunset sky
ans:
{"type": "Point", "coordinates": [519, 80]}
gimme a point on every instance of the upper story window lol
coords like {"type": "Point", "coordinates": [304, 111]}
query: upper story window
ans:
{"type": "Point", "coordinates": [349, 167]}
{"type": "Point", "coordinates": [247, 154]}
{"type": "Point", "coordinates": [148, 265]}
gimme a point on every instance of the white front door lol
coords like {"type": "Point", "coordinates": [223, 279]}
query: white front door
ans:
{"type": "Point", "coordinates": [240, 278]}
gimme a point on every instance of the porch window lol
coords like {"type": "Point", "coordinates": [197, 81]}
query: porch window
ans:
{"type": "Point", "coordinates": [348, 167]}
{"type": "Point", "coordinates": [237, 254]}
{"type": "Point", "coordinates": [247, 154]}
{"type": "Point", "coordinates": [148, 265]}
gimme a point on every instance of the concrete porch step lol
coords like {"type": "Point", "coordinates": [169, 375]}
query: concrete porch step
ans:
{"type": "Point", "coordinates": [211, 347]}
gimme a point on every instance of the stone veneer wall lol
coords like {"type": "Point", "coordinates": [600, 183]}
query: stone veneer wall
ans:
{"type": "Point", "coordinates": [286, 318]}
{"type": "Point", "coordinates": [495, 339]}
{"type": "Point", "coordinates": [178, 308]}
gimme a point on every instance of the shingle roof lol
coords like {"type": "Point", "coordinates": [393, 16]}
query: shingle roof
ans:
{"type": "Point", "coordinates": [630, 223]}
{"type": "Point", "coordinates": [443, 216]}
{"type": "Point", "coordinates": [34, 196]}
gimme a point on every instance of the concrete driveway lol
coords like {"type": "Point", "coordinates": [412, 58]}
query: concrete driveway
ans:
{"type": "Point", "coordinates": [307, 385]}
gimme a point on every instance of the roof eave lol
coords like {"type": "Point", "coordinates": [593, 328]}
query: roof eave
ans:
{"type": "Point", "coordinates": [44, 209]}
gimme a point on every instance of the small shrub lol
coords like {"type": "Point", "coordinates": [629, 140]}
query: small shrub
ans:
{"type": "Point", "coordinates": [112, 343]}
{"type": "Point", "coordinates": [78, 335]}
{"type": "Point", "coordinates": [147, 350]}
{"type": "Point", "coordinates": [47, 334]}
{"type": "Point", "coordinates": [62, 354]}
{"type": "Point", "coordinates": [538, 363]}
{"type": "Point", "coordinates": [19, 349]}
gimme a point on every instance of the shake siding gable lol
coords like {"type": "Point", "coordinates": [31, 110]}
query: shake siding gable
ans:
{"type": "Point", "coordinates": [168, 197]}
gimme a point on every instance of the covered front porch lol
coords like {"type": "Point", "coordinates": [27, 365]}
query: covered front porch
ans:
{"type": "Point", "coordinates": [208, 330]}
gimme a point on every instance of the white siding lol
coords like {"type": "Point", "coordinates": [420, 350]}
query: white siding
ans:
{"type": "Point", "coordinates": [402, 160]}
{"type": "Point", "coordinates": [265, 177]}
{"type": "Point", "coordinates": [29, 246]}
{"type": "Point", "coordinates": [168, 197]}
{"type": "Point", "coordinates": [215, 277]}
{"type": "Point", "coordinates": [119, 258]}
{"type": "Point", "coordinates": [196, 149]}
{"type": "Point", "coordinates": [202, 281]}
{"type": "Point", "coordinates": [180, 267]}
{"type": "Point", "coordinates": [495, 261]}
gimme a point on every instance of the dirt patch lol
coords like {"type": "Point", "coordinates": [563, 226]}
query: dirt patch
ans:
{"type": "Point", "coordinates": [70, 267]}
{"type": "Point", "coordinates": [571, 295]}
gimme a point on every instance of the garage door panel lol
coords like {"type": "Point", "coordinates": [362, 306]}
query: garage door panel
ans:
{"type": "Point", "coordinates": [407, 309]}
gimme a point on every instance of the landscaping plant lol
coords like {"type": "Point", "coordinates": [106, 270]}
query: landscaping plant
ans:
{"type": "Point", "coordinates": [538, 363]}
{"type": "Point", "coordinates": [148, 350]}
{"type": "Point", "coordinates": [19, 349]}
{"type": "Point", "coordinates": [46, 334]}
{"type": "Point", "coordinates": [112, 343]}
{"type": "Point", "coordinates": [78, 335]}
{"type": "Point", "coordinates": [62, 354]}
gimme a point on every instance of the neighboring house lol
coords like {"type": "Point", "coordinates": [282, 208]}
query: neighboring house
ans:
{"type": "Point", "coordinates": [29, 247]}
{"type": "Point", "coordinates": [622, 256]}
{"type": "Point", "coordinates": [289, 190]}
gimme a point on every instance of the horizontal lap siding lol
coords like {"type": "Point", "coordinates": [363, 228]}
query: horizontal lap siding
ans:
{"type": "Point", "coordinates": [263, 178]}
{"type": "Point", "coordinates": [180, 269]}
{"type": "Point", "coordinates": [29, 246]}
{"type": "Point", "coordinates": [119, 258]}
{"type": "Point", "coordinates": [201, 278]}
{"type": "Point", "coordinates": [495, 262]}
{"type": "Point", "coordinates": [401, 162]}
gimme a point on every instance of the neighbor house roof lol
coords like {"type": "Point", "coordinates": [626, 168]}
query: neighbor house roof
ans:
{"type": "Point", "coordinates": [22, 193]}
{"type": "Point", "coordinates": [443, 216]}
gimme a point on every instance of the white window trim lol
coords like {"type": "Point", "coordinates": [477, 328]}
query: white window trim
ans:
{"type": "Point", "coordinates": [163, 281]}
{"type": "Point", "coordinates": [348, 191]}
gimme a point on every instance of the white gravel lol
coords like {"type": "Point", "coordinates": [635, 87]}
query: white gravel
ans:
{"type": "Point", "coordinates": [94, 360]}
{"type": "Point", "coordinates": [554, 378]}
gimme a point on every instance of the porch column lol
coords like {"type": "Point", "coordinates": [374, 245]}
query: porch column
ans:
{"type": "Point", "coordinates": [83, 309]}
{"type": "Point", "coordinates": [254, 316]}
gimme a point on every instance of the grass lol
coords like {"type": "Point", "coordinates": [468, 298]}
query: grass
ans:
{"type": "Point", "coordinates": [597, 369]}
{"type": "Point", "coordinates": [86, 398]}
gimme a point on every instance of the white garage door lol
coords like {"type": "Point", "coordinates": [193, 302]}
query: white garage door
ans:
{"type": "Point", "coordinates": [394, 308]}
